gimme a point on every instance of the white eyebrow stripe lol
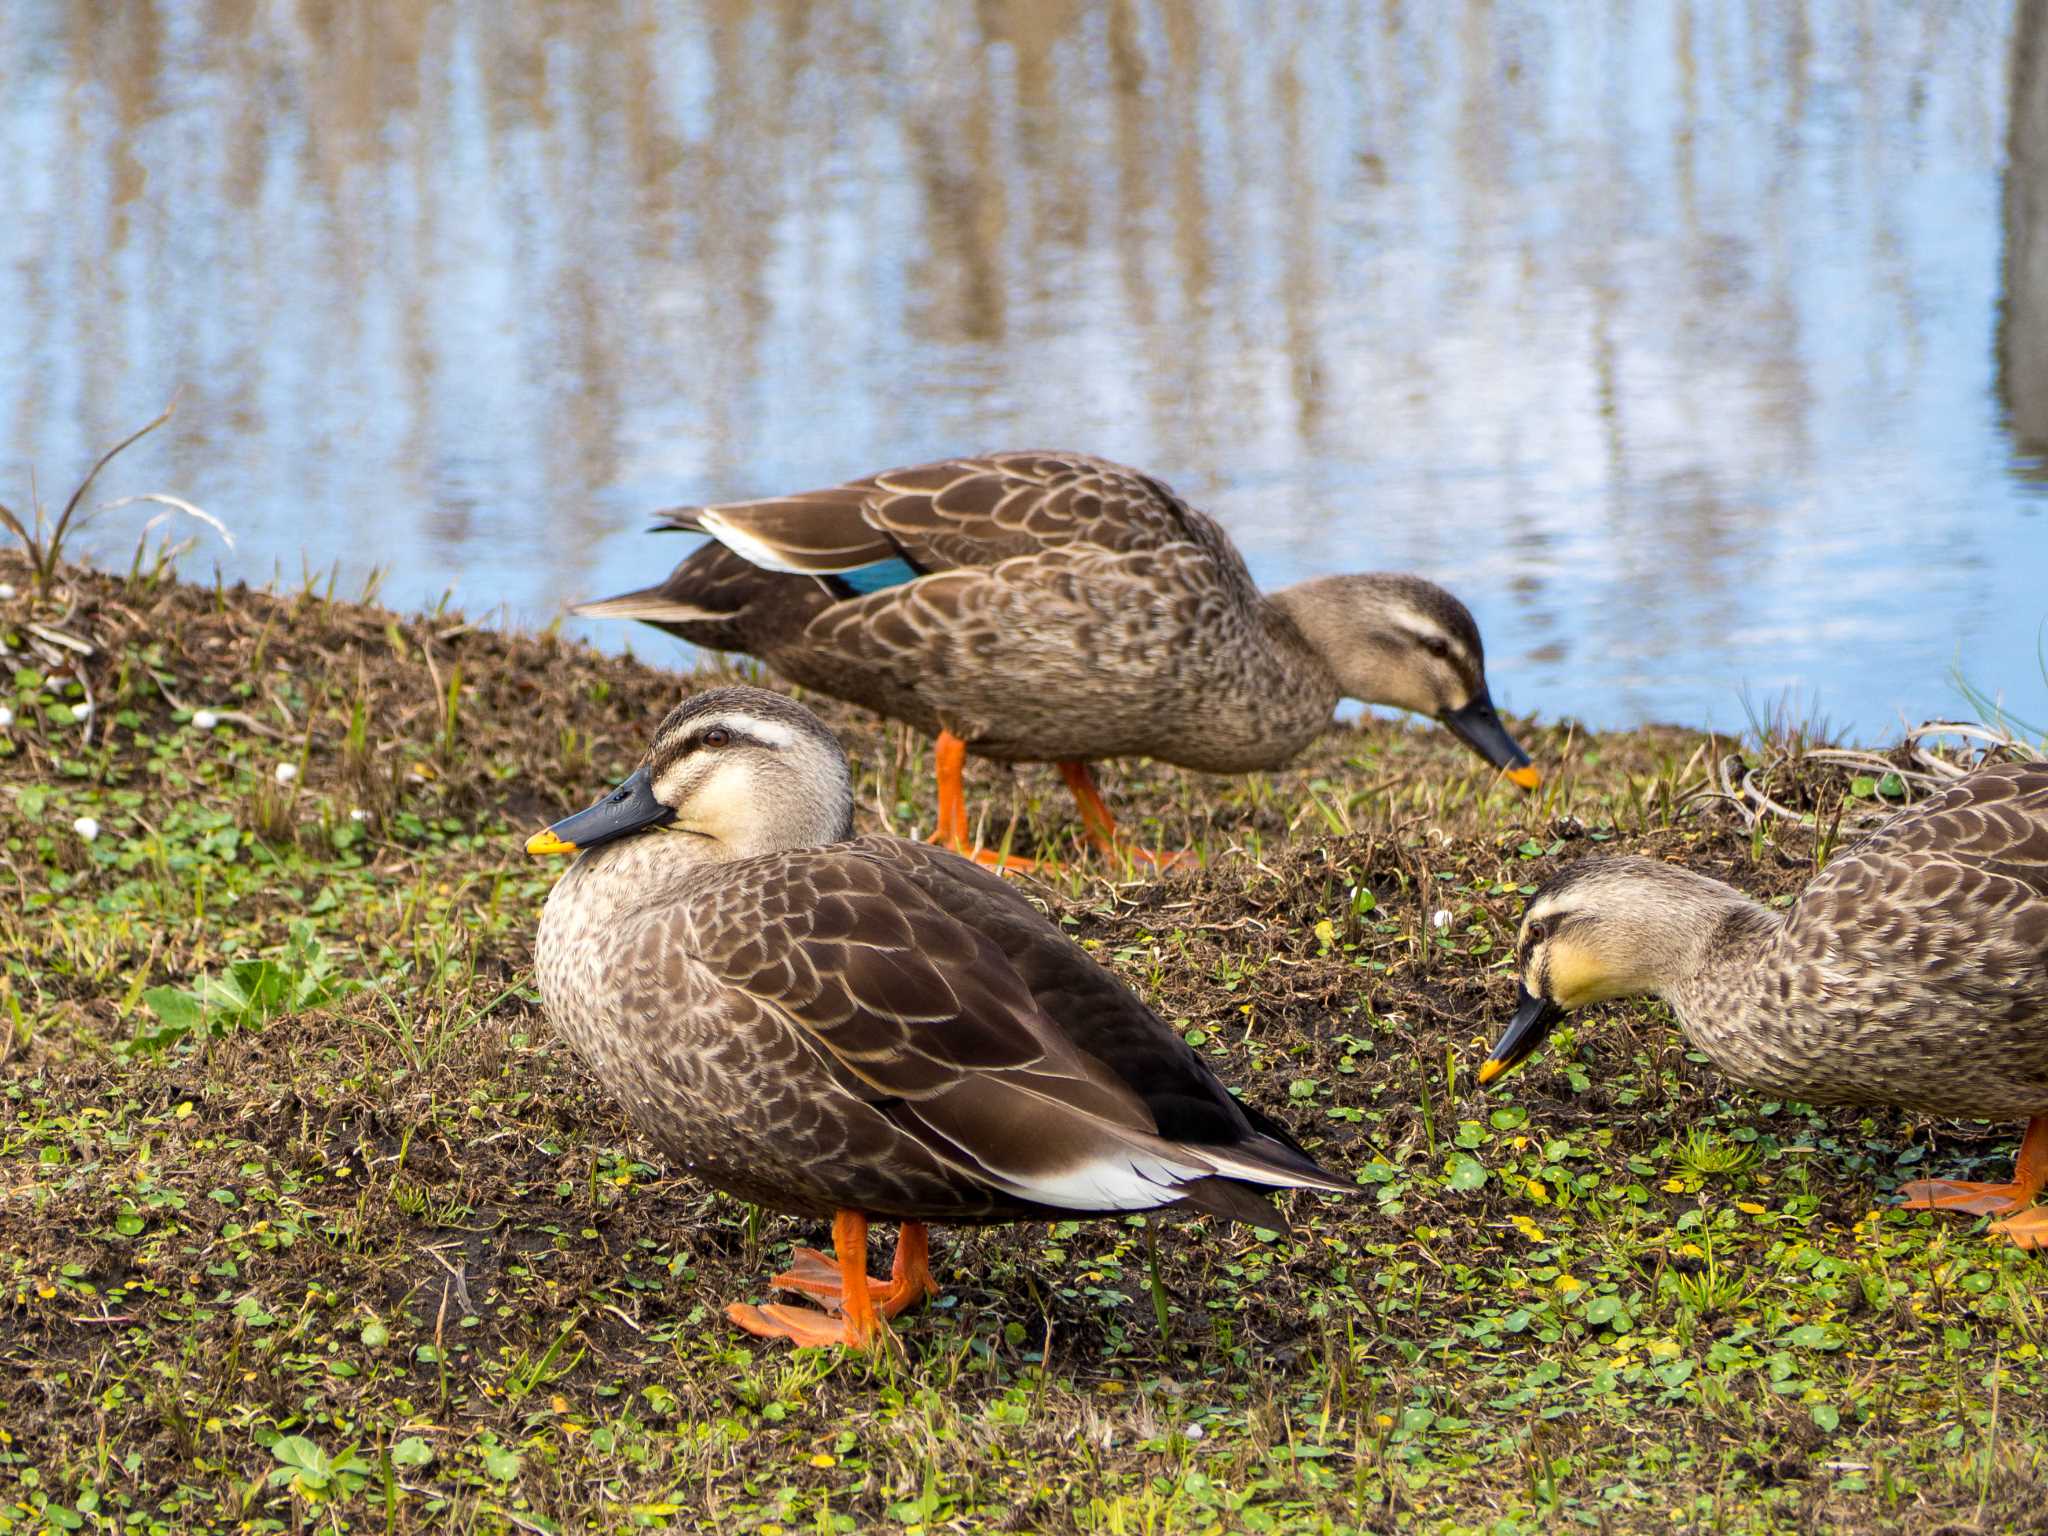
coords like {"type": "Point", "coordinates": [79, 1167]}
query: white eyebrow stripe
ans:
{"type": "Point", "coordinates": [769, 732]}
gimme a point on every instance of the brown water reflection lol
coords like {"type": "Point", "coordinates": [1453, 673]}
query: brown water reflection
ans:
{"type": "Point", "coordinates": [1669, 334]}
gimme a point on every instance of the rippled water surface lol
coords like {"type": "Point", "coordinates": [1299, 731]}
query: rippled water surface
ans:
{"type": "Point", "coordinates": [1702, 348]}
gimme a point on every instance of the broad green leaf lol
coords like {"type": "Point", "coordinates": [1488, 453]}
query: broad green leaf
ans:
{"type": "Point", "coordinates": [179, 1010]}
{"type": "Point", "coordinates": [1467, 1173]}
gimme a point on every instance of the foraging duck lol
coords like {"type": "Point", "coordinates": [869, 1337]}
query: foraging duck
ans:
{"type": "Point", "coordinates": [1033, 607]}
{"type": "Point", "coordinates": [864, 1027]}
{"type": "Point", "coordinates": [1913, 971]}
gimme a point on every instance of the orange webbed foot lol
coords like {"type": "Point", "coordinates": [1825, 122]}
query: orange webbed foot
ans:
{"type": "Point", "coordinates": [992, 858]}
{"type": "Point", "coordinates": [805, 1327]}
{"type": "Point", "coordinates": [812, 1273]}
{"type": "Point", "coordinates": [858, 1303]}
{"type": "Point", "coordinates": [2028, 1229]}
{"type": "Point", "coordinates": [1004, 863]}
{"type": "Point", "coordinates": [910, 1279]}
{"type": "Point", "coordinates": [1963, 1195]}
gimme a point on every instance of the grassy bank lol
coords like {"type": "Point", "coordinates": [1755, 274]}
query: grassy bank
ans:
{"type": "Point", "coordinates": [312, 1225]}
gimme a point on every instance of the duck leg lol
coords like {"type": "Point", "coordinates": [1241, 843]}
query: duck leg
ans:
{"type": "Point", "coordinates": [1100, 825]}
{"type": "Point", "coordinates": [910, 1277]}
{"type": "Point", "coordinates": [2029, 1228]}
{"type": "Point", "coordinates": [950, 757]}
{"type": "Point", "coordinates": [853, 1323]}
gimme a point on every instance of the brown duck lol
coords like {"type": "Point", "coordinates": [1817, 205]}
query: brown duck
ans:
{"type": "Point", "coordinates": [864, 1027]}
{"type": "Point", "coordinates": [1913, 970]}
{"type": "Point", "coordinates": [1034, 607]}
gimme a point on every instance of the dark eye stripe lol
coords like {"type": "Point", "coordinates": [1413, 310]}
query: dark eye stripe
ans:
{"type": "Point", "coordinates": [734, 737]}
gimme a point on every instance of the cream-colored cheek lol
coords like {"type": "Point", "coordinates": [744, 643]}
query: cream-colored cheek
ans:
{"type": "Point", "coordinates": [719, 805]}
{"type": "Point", "coordinates": [1394, 685]}
{"type": "Point", "coordinates": [1577, 977]}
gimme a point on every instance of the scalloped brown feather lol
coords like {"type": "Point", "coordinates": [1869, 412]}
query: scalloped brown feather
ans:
{"type": "Point", "coordinates": [880, 1026]}
{"type": "Point", "coordinates": [1913, 970]}
{"type": "Point", "coordinates": [1072, 608]}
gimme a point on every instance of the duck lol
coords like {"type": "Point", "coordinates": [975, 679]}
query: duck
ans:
{"type": "Point", "coordinates": [1054, 607]}
{"type": "Point", "coordinates": [864, 1029]}
{"type": "Point", "coordinates": [1911, 971]}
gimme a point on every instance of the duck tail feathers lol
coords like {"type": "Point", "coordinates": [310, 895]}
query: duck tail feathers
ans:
{"type": "Point", "coordinates": [1237, 1202]}
{"type": "Point", "coordinates": [651, 604]}
{"type": "Point", "coordinates": [678, 520]}
{"type": "Point", "coordinates": [1273, 1164]}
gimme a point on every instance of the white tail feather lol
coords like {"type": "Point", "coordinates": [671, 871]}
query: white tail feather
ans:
{"type": "Point", "coordinates": [1231, 1166]}
{"type": "Point", "coordinates": [648, 605]}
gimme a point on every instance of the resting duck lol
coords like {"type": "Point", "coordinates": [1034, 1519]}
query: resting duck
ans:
{"type": "Point", "coordinates": [864, 1028]}
{"type": "Point", "coordinates": [1913, 970]}
{"type": "Point", "coordinates": [1033, 607]}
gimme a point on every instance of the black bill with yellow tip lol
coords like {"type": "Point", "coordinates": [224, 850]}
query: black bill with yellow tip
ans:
{"type": "Point", "coordinates": [1478, 725]}
{"type": "Point", "coordinates": [628, 809]}
{"type": "Point", "coordinates": [1534, 1019]}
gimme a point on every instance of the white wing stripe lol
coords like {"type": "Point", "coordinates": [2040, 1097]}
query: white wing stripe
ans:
{"type": "Point", "coordinates": [745, 545]}
{"type": "Point", "coordinates": [1130, 1181]}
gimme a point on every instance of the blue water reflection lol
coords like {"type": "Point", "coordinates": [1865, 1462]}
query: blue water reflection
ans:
{"type": "Point", "coordinates": [1669, 335]}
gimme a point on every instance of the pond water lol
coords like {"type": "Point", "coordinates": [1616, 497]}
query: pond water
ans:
{"type": "Point", "coordinates": [1702, 348]}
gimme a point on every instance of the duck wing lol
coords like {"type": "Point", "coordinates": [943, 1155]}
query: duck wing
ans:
{"type": "Point", "coordinates": [954, 514]}
{"type": "Point", "coordinates": [1101, 1015]}
{"type": "Point", "coordinates": [916, 1011]}
{"type": "Point", "coordinates": [1953, 892]}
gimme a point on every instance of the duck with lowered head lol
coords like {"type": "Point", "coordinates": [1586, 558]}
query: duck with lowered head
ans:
{"type": "Point", "coordinates": [1050, 607]}
{"type": "Point", "coordinates": [862, 1028]}
{"type": "Point", "coordinates": [1913, 971]}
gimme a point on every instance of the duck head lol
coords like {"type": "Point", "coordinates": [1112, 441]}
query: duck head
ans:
{"type": "Point", "coordinates": [1405, 642]}
{"type": "Point", "coordinates": [746, 770]}
{"type": "Point", "coordinates": [1602, 929]}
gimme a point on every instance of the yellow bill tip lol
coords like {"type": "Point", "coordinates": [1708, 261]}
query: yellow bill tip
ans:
{"type": "Point", "coordinates": [545, 842]}
{"type": "Point", "coordinates": [1491, 1070]}
{"type": "Point", "coordinates": [1529, 776]}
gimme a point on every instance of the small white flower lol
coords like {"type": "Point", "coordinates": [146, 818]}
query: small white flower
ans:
{"type": "Point", "coordinates": [286, 772]}
{"type": "Point", "coordinates": [6, 717]}
{"type": "Point", "coordinates": [1441, 918]}
{"type": "Point", "coordinates": [205, 719]}
{"type": "Point", "coordinates": [359, 814]}
{"type": "Point", "coordinates": [1192, 1431]}
{"type": "Point", "coordinates": [82, 710]}
{"type": "Point", "coordinates": [6, 591]}
{"type": "Point", "coordinates": [86, 828]}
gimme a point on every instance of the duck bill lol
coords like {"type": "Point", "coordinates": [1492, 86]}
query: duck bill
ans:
{"type": "Point", "coordinates": [628, 809]}
{"type": "Point", "coordinates": [1534, 1019]}
{"type": "Point", "coordinates": [1478, 725]}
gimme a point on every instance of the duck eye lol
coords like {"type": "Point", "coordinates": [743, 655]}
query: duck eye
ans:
{"type": "Point", "coordinates": [717, 736]}
{"type": "Point", "coordinates": [1535, 933]}
{"type": "Point", "coordinates": [1438, 648]}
